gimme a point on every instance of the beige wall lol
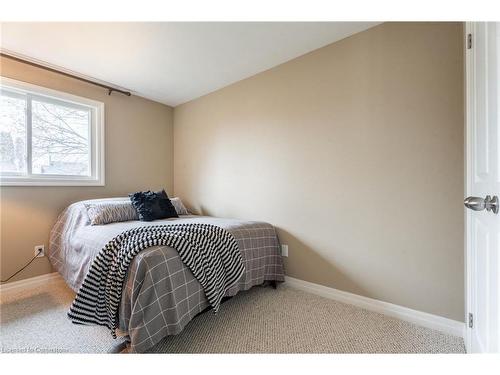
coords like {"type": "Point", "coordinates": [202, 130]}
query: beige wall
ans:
{"type": "Point", "coordinates": [139, 155]}
{"type": "Point", "coordinates": [355, 153]}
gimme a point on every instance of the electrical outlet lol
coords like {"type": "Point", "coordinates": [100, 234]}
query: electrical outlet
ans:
{"type": "Point", "coordinates": [284, 250]}
{"type": "Point", "coordinates": [37, 249]}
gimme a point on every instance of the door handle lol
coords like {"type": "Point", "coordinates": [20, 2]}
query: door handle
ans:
{"type": "Point", "coordinates": [479, 204]}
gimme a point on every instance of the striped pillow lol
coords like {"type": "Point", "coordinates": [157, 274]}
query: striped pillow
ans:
{"type": "Point", "coordinates": [111, 212]}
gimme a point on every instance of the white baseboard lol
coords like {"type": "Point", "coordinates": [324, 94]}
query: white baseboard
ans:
{"type": "Point", "coordinates": [17, 286]}
{"type": "Point", "coordinates": [427, 320]}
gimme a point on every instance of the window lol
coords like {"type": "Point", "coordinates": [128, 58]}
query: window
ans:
{"type": "Point", "coordinates": [49, 138]}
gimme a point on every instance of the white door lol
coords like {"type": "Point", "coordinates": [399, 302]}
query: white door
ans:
{"type": "Point", "coordinates": [483, 185]}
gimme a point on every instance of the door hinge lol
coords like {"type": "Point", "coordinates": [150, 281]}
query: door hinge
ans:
{"type": "Point", "coordinates": [471, 320]}
{"type": "Point", "coordinates": [469, 41]}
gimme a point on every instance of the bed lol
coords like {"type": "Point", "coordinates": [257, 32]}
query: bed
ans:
{"type": "Point", "coordinates": [160, 295]}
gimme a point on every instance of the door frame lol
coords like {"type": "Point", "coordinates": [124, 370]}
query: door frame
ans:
{"type": "Point", "coordinates": [469, 121]}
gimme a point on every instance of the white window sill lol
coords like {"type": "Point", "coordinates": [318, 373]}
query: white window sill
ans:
{"type": "Point", "coordinates": [9, 181]}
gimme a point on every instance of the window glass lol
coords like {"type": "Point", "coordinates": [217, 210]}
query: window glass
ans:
{"type": "Point", "coordinates": [12, 133]}
{"type": "Point", "coordinates": [60, 139]}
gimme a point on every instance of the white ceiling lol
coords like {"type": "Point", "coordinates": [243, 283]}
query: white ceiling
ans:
{"type": "Point", "coordinates": [170, 62]}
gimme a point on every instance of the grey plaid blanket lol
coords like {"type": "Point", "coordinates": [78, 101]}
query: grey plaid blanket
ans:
{"type": "Point", "coordinates": [210, 252]}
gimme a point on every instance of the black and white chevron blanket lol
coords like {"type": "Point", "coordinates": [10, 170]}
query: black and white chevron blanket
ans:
{"type": "Point", "coordinates": [210, 252]}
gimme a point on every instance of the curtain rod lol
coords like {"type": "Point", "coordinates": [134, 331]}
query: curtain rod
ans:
{"type": "Point", "coordinates": [109, 88]}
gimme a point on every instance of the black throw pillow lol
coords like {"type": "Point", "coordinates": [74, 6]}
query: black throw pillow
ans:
{"type": "Point", "coordinates": [152, 205]}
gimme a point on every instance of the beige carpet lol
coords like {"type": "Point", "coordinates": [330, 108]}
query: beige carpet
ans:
{"type": "Point", "coordinates": [262, 320]}
{"type": "Point", "coordinates": [35, 321]}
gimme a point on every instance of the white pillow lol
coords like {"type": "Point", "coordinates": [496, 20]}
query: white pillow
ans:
{"type": "Point", "coordinates": [179, 207]}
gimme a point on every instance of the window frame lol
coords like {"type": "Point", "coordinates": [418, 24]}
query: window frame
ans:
{"type": "Point", "coordinates": [97, 162]}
